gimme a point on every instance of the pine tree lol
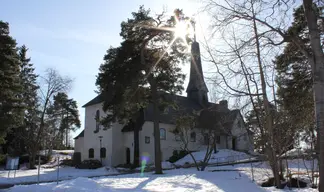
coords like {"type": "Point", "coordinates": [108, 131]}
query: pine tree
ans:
{"type": "Point", "coordinates": [66, 110]}
{"type": "Point", "coordinates": [134, 74]}
{"type": "Point", "coordinates": [18, 138]}
{"type": "Point", "coordinates": [30, 100]}
{"type": "Point", "coordinates": [10, 85]}
{"type": "Point", "coordinates": [295, 80]}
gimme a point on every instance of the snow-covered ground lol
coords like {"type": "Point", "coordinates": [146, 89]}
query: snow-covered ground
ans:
{"type": "Point", "coordinates": [50, 174]}
{"type": "Point", "coordinates": [222, 156]}
{"type": "Point", "coordinates": [224, 178]}
{"type": "Point", "coordinates": [171, 180]}
{"type": "Point", "coordinates": [48, 171]}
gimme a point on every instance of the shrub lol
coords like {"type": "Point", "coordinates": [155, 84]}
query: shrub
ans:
{"type": "Point", "coordinates": [76, 158]}
{"type": "Point", "coordinates": [3, 159]}
{"type": "Point", "coordinates": [177, 155]}
{"type": "Point", "coordinates": [67, 162]}
{"type": "Point", "coordinates": [89, 164]}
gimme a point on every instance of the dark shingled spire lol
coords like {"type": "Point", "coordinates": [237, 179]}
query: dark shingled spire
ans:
{"type": "Point", "coordinates": [197, 89]}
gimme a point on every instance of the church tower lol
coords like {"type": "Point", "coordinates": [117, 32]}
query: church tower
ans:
{"type": "Point", "coordinates": [197, 89]}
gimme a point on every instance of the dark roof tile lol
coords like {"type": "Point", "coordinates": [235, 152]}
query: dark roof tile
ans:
{"type": "Point", "coordinates": [80, 134]}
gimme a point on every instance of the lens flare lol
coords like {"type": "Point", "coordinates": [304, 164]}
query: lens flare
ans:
{"type": "Point", "coordinates": [145, 158]}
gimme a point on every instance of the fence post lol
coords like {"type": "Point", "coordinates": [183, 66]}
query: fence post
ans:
{"type": "Point", "coordinates": [58, 169]}
{"type": "Point", "coordinates": [252, 169]}
{"type": "Point", "coordinates": [38, 169]}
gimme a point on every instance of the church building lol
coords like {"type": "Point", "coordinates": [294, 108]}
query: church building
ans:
{"type": "Point", "coordinates": [115, 145]}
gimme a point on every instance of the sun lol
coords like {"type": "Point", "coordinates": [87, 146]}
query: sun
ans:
{"type": "Point", "coordinates": [181, 29]}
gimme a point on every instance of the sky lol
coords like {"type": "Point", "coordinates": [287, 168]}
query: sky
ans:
{"type": "Point", "coordinates": [72, 36]}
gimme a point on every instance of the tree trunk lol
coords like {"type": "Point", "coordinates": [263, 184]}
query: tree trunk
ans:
{"type": "Point", "coordinates": [67, 138]}
{"type": "Point", "coordinates": [317, 59]}
{"type": "Point", "coordinates": [268, 124]}
{"type": "Point", "coordinates": [214, 145]}
{"type": "Point", "coordinates": [156, 113]}
{"type": "Point", "coordinates": [32, 157]}
{"type": "Point", "coordinates": [136, 146]}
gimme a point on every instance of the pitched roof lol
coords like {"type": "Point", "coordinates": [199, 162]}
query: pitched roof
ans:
{"type": "Point", "coordinates": [183, 105]}
{"type": "Point", "coordinates": [210, 116]}
{"type": "Point", "coordinates": [213, 118]}
{"type": "Point", "coordinates": [80, 134]}
{"type": "Point", "coordinates": [96, 100]}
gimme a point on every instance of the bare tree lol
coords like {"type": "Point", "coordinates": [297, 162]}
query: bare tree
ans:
{"type": "Point", "coordinates": [316, 59]}
{"type": "Point", "coordinates": [51, 83]}
{"type": "Point", "coordinates": [271, 17]}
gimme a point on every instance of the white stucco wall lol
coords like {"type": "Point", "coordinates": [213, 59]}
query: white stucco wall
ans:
{"type": "Point", "coordinates": [118, 150]}
{"type": "Point", "coordinates": [116, 141]}
{"type": "Point", "coordinates": [170, 144]}
{"type": "Point", "coordinates": [78, 144]}
{"type": "Point", "coordinates": [91, 139]}
{"type": "Point", "coordinates": [243, 142]}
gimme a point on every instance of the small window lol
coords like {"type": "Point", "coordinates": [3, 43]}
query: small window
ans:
{"type": "Point", "coordinates": [103, 152]}
{"type": "Point", "coordinates": [147, 140]}
{"type": "Point", "coordinates": [193, 137]}
{"type": "Point", "coordinates": [91, 153]}
{"type": "Point", "coordinates": [162, 134]}
{"type": "Point", "coordinates": [217, 139]}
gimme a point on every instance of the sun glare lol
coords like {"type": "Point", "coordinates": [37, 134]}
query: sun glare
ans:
{"type": "Point", "coordinates": [181, 29]}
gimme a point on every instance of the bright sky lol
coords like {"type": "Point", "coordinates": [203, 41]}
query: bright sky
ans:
{"type": "Point", "coordinates": [72, 36]}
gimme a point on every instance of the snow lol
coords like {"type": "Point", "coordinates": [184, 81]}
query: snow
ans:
{"type": "Point", "coordinates": [222, 156]}
{"type": "Point", "coordinates": [228, 178]}
{"type": "Point", "coordinates": [50, 174]}
{"type": "Point", "coordinates": [48, 171]}
{"type": "Point", "coordinates": [171, 180]}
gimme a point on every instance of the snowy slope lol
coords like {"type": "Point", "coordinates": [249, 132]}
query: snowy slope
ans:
{"type": "Point", "coordinates": [223, 155]}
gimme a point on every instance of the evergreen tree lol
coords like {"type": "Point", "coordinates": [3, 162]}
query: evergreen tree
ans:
{"type": "Point", "coordinates": [18, 138]}
{"type": "Point", "coordinates": [295, 83]}
{"type": "Point", "coordinates": [135, 74]}
{"type": "Point", "coordinates": [10, 85]}
{"type": "Point", "coordinates": [66, 110]}
{"type": "Point", "coordinates": [30, 100]}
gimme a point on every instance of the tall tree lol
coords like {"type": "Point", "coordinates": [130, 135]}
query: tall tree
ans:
{"type": "Point", "coordinates": [51, 84]}
{"type": "Point", "coordinates": [10, 86]}
{"type": "Point", "coordinates": [314, 14]}
{"type": "Point", "coordinates": [67, 111]}
{"type": "Point", "coordinates": [148, 56]}
{"type": "Point", "coordinates": [295, 79]}
{"type": "Point", "coordinates": [30, 99]}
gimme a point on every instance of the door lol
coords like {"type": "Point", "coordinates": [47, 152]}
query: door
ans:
{"type": "Point", "coordinates": [234, 143]}
{"type": "Point", "coordinates": [127, 155]}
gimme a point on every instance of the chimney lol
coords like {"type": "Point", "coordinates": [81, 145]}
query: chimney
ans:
{"type": "Point", "coordinates": [223, 105]}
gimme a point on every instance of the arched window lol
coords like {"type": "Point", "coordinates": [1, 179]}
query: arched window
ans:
{"type": "Point", "coordinates": [193, 137]}
{"type": "Point", "coordinates": [97, 118]}
{"type": "Point", "coordinates": [162, 134]}
{"type": "Point", "coordinates": [91, 153]}
{"type": "Point", "coordinates": [103, 152]}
